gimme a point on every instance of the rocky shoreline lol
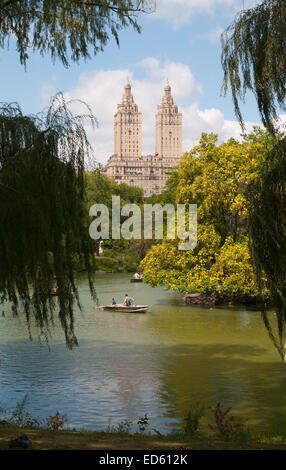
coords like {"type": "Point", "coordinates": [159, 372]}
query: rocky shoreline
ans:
{"type": "Point", "coordinates": [211, 299]}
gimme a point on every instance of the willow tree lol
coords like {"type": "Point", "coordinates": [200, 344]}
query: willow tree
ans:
{"type": "Point", "coordinates": [67, 29]}
{"type": "Point", "coordinates": [254, 60]}
{"type": "Point", "coordinates": [43, 223]}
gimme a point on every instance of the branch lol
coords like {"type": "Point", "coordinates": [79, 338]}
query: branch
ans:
{"type": "Point", "coordinates": [116, 8]}
{"type": "Point", "coordinates": [8, 3]}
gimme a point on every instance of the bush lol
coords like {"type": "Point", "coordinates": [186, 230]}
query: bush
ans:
{"type": "Point", "coordinates": [192, 418]}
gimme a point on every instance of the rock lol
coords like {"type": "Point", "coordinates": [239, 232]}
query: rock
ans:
{"type": "Point", "coordinates": [3, 422]}
{"type": "Point", "coordinates": [208, 299]}
{"type": "Point", "coordinates": [21, 442]}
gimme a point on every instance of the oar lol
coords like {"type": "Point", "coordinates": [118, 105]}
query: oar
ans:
{"type": "Point", "coordinates": [101, 306]}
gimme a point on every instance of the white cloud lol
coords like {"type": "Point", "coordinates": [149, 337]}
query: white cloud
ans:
{"type": "Point", "coordinates": [196, 121]}
{"type": "Point", "coordinates": [179, 12]}
{"type": "Point", "coordinates": [103, 89]}
{"type": "Point", "coordinates": [178, 74]}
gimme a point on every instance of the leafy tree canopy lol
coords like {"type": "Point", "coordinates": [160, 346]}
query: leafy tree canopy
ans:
{"type": "Point", "coordinates": [214, 177]}
{"type": "Point", "coordinates": [67, 30]}
{"type": "Point", "coordinates": [43, 222]}
{"type": "Point", "coordinates": [267, 232]}
{"type": "Point", "coordinates": [254, 59]}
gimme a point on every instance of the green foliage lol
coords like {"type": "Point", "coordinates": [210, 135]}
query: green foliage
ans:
{"type": "Point", "coordinates": [143, 423]}
{"type": "Point", "coordinates": [124, 427]}
{"type": "Point", "coordinates": [43, 214]}
{"type": "Point", "coordinates": [67, 30]}
{"type": "Point", "coordinates": [118, 255]}
{"type": "Point", "coordinates": [22, 418]}
{"type": "Point", "coordinates": [100, 189]}
{"type": "Point", "coordinates": [214, 177]}
{"type": "Point", "coordinates": [253, 58]}
{"type": "Point", "coordinates": [192, 418]}
{"type": "Point", "coordinates": [267, 230]}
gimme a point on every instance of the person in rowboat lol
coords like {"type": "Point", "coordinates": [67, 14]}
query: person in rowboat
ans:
{"type": "Point", "coordinates": [127, 300]}
{"type": "Point", "coordinates": [113, 301]}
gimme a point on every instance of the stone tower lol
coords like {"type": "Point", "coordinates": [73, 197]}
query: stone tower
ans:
{"type": "Point", "coordinates": [127, 127]}
{"type": "Point", "coordinates": [168, 130]}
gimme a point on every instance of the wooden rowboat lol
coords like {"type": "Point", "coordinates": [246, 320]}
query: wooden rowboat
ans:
{"type": "Point", "coordinates": [124, 308]}
{"type": "Point", "coordinates": [134, 279]}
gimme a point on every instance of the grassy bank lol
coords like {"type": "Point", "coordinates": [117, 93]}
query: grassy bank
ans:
{"type": "Point", "coordinates": [44, 439]}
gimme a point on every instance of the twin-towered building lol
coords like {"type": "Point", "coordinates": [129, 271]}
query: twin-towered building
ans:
{"type": "Point", "coordinates": [128, 165]}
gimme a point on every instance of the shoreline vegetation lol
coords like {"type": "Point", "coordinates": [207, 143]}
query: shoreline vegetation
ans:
{"type": "Point", "coordinates": [46, 439]}
{"type": "Point", "coordinates": [202, 428]}
{"type": "Point", "coordinates": [199, 430]}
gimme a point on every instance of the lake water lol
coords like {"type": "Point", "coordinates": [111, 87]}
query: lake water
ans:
{"type": "Point", "coordinates": [156, 363]}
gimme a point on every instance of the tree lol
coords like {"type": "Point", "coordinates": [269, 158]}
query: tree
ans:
{"type": "Point", "coordinates": [44, 220]}
{"type": "Point", "coordinates": [254, 59]}
{"type": "Point", "coordinates": [66, 29]}
{"type": "Point", "coordinates": [214, 177]}
{"type": "Point", "coordinates": [99, 189]}
{"type": "Point", "coordinates": [43, 224]}
{"type": "Point", "coordinates": [267, 234]}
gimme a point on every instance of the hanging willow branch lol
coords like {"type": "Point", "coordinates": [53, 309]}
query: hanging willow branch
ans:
{"type": "Point", "coordinates": [67, 30]}
{"type": "Point", "coordinates": [43, 223]}
{"type": "Point", "coordinates": [254, 59]}
{"type": "Point", "coordinates": [267, 232]}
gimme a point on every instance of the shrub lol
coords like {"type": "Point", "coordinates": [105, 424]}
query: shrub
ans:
{"type": "Point", "coordinates": [56, 422]}
{"type": "Point", "coordinates": [224, 424]}
{"type": "Point", "coordinates": [192, 418]}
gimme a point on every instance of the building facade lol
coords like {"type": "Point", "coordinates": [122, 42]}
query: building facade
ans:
{"type": "Point", "coordinates": [127, 164]}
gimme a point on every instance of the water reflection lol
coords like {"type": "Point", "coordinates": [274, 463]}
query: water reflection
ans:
{"type": "Point", "coordinates": [129, 365]}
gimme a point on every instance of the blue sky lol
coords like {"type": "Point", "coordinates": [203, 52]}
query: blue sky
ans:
{"type": "Point", "coordinates": [179, 42]}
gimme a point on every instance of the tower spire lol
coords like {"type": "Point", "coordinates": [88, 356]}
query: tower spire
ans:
{"type": "Point", "coordinates": [127, 126]}
{"type": "Point", "coordinates": [168, 129]}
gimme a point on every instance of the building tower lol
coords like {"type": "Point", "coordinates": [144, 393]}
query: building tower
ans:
{"type": "Point", "coordinates": [127, 127]}
{"type": "Point", "coordinates": [168, 130]}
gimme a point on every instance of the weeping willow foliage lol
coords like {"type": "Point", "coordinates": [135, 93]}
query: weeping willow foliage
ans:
{"type": "Point", "coordinates": [253, 58]}
{"type": "Point", "coordinates": [267, 231]}
{"type": "Point", "coordinates": [66, 29]}
{"type": "Point", "coordinates": [43, 224]}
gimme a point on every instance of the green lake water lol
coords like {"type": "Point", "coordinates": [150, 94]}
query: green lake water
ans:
{"type": "Point", "coordinates": [158, 363]}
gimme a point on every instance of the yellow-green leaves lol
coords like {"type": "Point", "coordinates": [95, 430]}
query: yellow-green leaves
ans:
{"type": "Point", "coordinates": [214, 177]}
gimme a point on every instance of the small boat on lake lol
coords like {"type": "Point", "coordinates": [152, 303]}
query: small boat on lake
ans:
{"type": "Point", "coordinates": [54, 291]}
{"type": "Point", "coordinates": [124, 308]}
{"type": "Point", "coordinates": [136, 279]}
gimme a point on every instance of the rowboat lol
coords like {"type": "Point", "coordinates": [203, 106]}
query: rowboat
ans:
{"type": "Point", "coordinates": [135, 279]}
{"type": "Point", "coordinates": [124, 308]}
{"type": "Point", "coordinates": [54, 291]}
